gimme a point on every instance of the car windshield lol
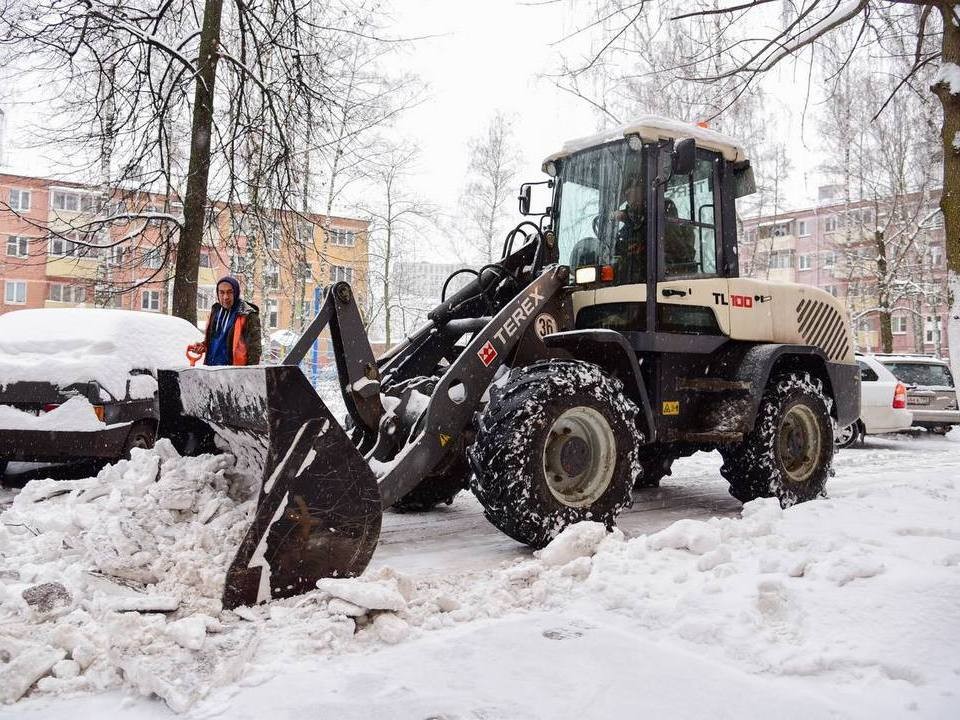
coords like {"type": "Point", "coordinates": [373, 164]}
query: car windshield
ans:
{"type": "Point", "coordinates": [921, 373]}
{"type": "Point", "coordinates": [601, 205]}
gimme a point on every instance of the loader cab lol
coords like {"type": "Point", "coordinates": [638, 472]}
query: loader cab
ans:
{"type": "Point", "coordinates": [648, 206]}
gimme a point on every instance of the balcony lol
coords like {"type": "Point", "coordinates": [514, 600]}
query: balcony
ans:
{"type": "Point", "coordinates": [72, 267]}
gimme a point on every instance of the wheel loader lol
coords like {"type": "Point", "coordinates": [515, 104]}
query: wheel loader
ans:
{"type": "Point", "coordinates": [613, 336]}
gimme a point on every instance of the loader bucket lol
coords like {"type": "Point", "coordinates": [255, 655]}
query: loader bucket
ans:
{"type": "Point", "coordinates": [318, 510]}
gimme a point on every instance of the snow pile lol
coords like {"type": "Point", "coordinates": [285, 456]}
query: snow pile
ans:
{"type": "Point", "coordinates": [71, 345]}
{"type": "Point", "coordinates": [114, 581]}
{"type": "Point", "coordinates": [76, 414]}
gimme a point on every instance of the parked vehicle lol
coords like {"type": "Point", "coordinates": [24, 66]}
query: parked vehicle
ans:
{"type": "Point", "coordinates": [883, 404]}
{"type": "Point", "coordinates": [931, 392]}
{"type": "Point", "coordinates": [79, 383]}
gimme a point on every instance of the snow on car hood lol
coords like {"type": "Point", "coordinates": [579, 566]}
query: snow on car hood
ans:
{"type": "Point", "coordinates": [71, 345]}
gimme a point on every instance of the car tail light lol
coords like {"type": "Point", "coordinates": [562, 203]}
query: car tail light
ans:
{"type": "Point", "coordinates": [50, 406]}
{"type": "Point", "coordinates": [900, 397]}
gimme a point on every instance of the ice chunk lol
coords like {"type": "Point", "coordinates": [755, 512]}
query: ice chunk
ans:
{"type": "Point", "coordinates": [371, 595]}
{"type": "Point", "coordinates": [693, 535]}
{"type": "Point", "coordinates": [576, 541]}
{"type": "Point", "coordinates": [189, 632]}
{"type": "Point", "coordinates": [390, 628]}
{"type": "Point", "coordinates": [27, 663]}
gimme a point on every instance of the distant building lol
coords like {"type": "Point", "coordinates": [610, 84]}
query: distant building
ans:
{"type": "Point", "coordinates": [834, 246]}
{"type": "Point", "coordinates": [282, 263]}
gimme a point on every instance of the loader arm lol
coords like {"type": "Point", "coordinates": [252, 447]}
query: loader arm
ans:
{"type": "Point", "coordinates": [356, 367]}
{"type": "Point", "coordinates": [459, 391]}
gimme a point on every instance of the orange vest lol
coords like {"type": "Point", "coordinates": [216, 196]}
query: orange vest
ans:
{"type": "Point", "coordinates": [238, 351]}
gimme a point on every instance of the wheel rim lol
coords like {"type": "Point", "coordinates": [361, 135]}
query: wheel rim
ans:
{"type": "Point", "coordinates": [579, 456]}
{"type": "Point", "coordinates": [845, 435]}
{"type": "Point", "coordinates": [799, 443]}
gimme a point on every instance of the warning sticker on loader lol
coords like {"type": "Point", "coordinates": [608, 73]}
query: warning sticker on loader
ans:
{"type": "Point", "coordinates": [487, 354]}
{"type": "Point", "coordinates": [671, 407]}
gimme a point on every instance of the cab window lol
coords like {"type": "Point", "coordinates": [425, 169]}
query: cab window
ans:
{"type": "Point", "coordinates": [689, 246]}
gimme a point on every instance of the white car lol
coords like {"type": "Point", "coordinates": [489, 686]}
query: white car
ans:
{"type": "Point", "coordinates": [883, 404]}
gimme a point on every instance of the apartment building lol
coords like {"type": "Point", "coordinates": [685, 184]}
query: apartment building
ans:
{"type": "Point", "coordinates": [67, 244]}
{"type": "Point", "coordinates": [835, 246]}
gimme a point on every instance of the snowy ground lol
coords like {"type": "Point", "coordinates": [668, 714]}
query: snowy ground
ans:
{"type": "Point", "coordinates": [846, 607]}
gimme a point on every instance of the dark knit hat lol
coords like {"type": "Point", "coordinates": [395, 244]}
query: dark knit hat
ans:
{"type": "Point", "coordinates": [232, 282]}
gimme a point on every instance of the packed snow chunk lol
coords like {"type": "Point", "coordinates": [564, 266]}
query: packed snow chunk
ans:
{"type": "Point", "coordinates": [22, 664]}
{"type": "Point", "coordinates": [76, 414]}
{"type": "Point", "coordinates": [142, 603]}
{"type": "Point", "coordinates": [379, 595]}
{"type": "Point", "coordinates": [189, 632]}
{"type": "Point", "coordinates": [390, 628]}
{"type": "Point", "coordinates": [693, 535]}
{"type": "Point", "coordinates": [66, 669]}
{"type": "Point", "coordinates": [336, 606]}
{"type": "Point", "coordinates": [845, 570]}
{"type": "Point", "coordinates": [575, 541]}
{"type": "Point", "coordinates": [710, 560]}
{"type": "Point", "coordinates": [47, 598]}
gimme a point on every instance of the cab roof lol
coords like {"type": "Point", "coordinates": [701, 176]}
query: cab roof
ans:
{"type": "Point", "coordinates": [652, 128]}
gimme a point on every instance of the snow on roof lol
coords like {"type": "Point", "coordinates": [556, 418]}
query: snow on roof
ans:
{"type": "Point", "coordinates": [71, 345]}
{"type": "Point", "coordinates": [652, 128]}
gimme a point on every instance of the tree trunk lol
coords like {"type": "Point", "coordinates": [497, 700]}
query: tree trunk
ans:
{"type": "Point", "coordinates": [883, 292]}
{"type": "Point", "coordinates": [195, 200]}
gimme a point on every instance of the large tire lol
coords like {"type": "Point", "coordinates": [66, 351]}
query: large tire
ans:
{"type": "Point", "coordinates": [789, 452]}
{"type": "Point", "coordinates": [557, 444]}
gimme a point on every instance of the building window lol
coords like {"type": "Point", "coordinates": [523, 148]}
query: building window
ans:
{"type": "Point", "coordinates": [17, 246]}
{"type": "Point", "coordinates": [58, 292]}
{"type": "Point", "coordinates": [150, 300]}
{"type": "Point", "coordinates": [153, 259]}
{"type": "Point", "coordinates": [66, 201]}
{"type": "Point", "coordinates": [803, 228]}
{"type": "Point", "coordinates": [832, 289]}
{"type": "Point", "coordinates": [115, 254]}
{"type": "Point", "coordinates": [19, 200]}
{"type": "Point", "coordinates": [804, 262]}
{"type": "Point", "coordinates": [898, 323]}
{"type": "Point", "coordinates": [204, 298]}
{"type": "Point", "coordinates": [338, 273]}
{"type": "Point", "coordinates": [273, 313]}
{"type": "Point", "coordinates": [238, 264]}
{"type": "Point", "coordinates": [781, 259]}
{"type": "Point", "coordinates": [15, 292]}
{"type": "Point", "coordinates": [205, 260]}
{"type": "Point", "coordinates": [305, 232]}
{"type": "Point", "coordinates": [339, 236]}
{"type": "Point", "coordinates": [829, 259]}
{"type": "Point", "coordinates": [750, 235]}
{"type": "Point", "coordinates": [936, 256]}
{"type": "Point", "coordinates": [932, 329]}
{"type": "Point", "coordinates": [62, 247]}
{"type": "Point", "coordinates": [271, 276]}
{"type": "Point", "coordinates": [830, 223]}
{"type": "Point", "coordinates": [781, 230]}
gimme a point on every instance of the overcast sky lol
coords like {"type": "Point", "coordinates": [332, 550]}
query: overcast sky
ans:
{"type": "Point", "coordinates": [484, 57]}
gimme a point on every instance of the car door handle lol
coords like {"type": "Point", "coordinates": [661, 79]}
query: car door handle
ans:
{"type": "Point", "coordinates": [671, 292]}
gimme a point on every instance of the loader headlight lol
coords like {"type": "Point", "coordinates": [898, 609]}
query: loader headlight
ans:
{"type": "Point", "coordinates": [586, 275]}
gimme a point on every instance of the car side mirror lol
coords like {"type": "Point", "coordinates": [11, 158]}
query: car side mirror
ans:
{"type": "Point", "coordinates": [684, 156]}
{"type": "Point", "coordinates": [543, 198]}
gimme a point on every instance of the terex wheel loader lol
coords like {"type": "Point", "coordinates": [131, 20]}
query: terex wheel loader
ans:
{"type": "Point", "coordinates": [614, 336]}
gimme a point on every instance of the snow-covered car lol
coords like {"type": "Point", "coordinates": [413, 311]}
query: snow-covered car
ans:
{"type": "Point", "coordinates": [883, 404]}
{"type": "Point", "coordinates": [79, 383]}
{"type": "Point", "coordinates": [931, 392]}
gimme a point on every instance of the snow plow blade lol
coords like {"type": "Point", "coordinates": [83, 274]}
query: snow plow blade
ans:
{"type": "Point", "coordinates": [318, 511]}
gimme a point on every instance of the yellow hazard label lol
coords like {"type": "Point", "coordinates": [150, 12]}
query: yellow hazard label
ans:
{"type": "Point", "coordinates": [671, 407]}
{"type": "Point", "coordinates": [444, 439]}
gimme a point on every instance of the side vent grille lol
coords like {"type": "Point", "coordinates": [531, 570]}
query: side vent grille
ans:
{"type": "Point", "coordinates": [822, 326]}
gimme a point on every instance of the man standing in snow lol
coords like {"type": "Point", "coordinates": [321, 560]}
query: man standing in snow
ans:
{"type": "Point", "coordinates": [233, 328]}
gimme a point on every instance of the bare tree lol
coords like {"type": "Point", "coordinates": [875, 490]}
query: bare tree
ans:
{"type": "Point", "coordinates": [396, 217]}
{"type": "Point", "coordinates": [493, 167]}
{"type": "Point", "coordinates": [241, 90]}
